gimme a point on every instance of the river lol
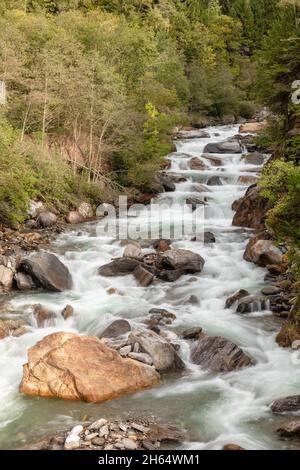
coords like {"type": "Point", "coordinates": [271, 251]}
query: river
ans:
{"type": "Point", "coordinates": [217, 409]}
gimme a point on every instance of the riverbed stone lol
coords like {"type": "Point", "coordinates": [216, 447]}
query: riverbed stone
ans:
{"type": "Point", "coordinates": [185, 261]}
{"type": "Point", "coordinates": [74, 217]}
{"type": "Point", "coordinates": [143, 276]}
{"type": "Point", "coordinates": [24, 281]}
{"type": "Point", "coordinates": [289, 404]}
{"type": "Point", "coordinates": [251, 209]}
{"type": "Point", "coordinates": [164, 356]}
{"type": "Point", "coordinates": [227, 147]}
{"type": "Point", "coordinates": [289, 429]}
{"type": "Point", "coordinates": [252, 303]}
{"type": "Point", "coordinates": [238, 295]}
{"type": "Point", "coordinates": [6, 278]}
{"type": "Point", "coordinates": [119, 267]}
{"type": "Point", "coordinates": [115, 329]}
{"type": "Point", "coordinates": [47, 271]}
{"type": "Point", "coordinates": [214, 181]}
{"type": "Point", "coordinates": [197, 164]}
{"type": "Point", "coordinates": [253, 127]}
{"type": "Point", "coordinates": [67, 312]}
{"type": "Point", "coordinates": [58, 364]}
{"type": "Point", "coordinates": [218, 354]}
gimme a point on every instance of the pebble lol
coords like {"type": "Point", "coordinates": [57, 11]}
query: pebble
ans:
{"type": "Point", "coordinates": [109, 447]}
{"type": "Point", "coordinates": [129, 444]}
{"type": "Point", "coordinates": [72, 445]}
{"type": "Point", "coordinates": [98, 424]}
{"type": "Point", "coordinates": [123, 427]}
{"type": "Point", "coordinates": [148, 445]}
{"type": "Point", "coordinates": [139, 427]}
{"type": "Point", "coordinates": [125, 350]}
{"type": "Point", "coordinates": [98, 441]}
{"type": "Point", "coordinates": [104, 431]}
{"type": "Point", "coordinates": [91, 436]}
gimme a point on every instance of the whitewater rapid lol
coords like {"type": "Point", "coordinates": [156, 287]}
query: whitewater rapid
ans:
{"type": "Point", "coordinates": [216, 409]}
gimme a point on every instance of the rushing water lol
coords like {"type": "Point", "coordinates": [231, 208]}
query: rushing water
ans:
{"type": "Point", "coordinates": [216, 408]}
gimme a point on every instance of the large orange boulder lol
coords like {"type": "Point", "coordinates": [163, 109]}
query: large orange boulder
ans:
{"type": "Point", "coordinates": [74, 367]}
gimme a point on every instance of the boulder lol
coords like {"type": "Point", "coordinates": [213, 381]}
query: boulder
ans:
{"type": "Point", "coordinates": [46, 219]}
{"type": "Point", "coordinates": [143, 276]}
{"type": "Point", "coordinates": [74, 367]}
{"type": "Point", "coordinates": [164, 356]}
{"type": "Point", "coordinates": [252, 303]}
{"type": "Point", "coordinates": [286, 405]}
{"type": "Point", "coordinates": [12, 328]}
{"type": "Point", "coordinates": [6, 278]}
{"type": "Point", "coordinates": [85, 210]}
{"type": "Point", "coordinates": [197, 164]}
{"type": "Point", "coordinates": [192, 333]}
{"type": "Point", "coordinates": [251, 209]}
{"type": "Point", "coordinates": [187, 134]}
{"type": "Point", "coordinates": [115, 329]}
{"type": "Point", "coordinates": [209, 237]}
{"type": "Point", "coordinates": [236, 297]}
{"type": "Point", "coordinates": [47, 271]}
{"type": "Point", "coordinates": [24, 281]}
{"type": "Point", "coordinates": [214, 181]}
{"type": "Point", "coordinates": [271, 290]}
{"type": "Point", "coordinates": [218, 354]}
{"type": "Point", "coordinates": [263, 253]}
{"type": "Point", "coordinates": [187, 262]}
{"type": "Point", "coordinates": [247, 179]}
{"type": "Point", "coordinates": [43, 316]}
{"type": "Point", "coordinates": [195, 202]}
{"type": "Point", "coordinates": [253, 127]}
{"type": "Point", "coordinates": [227, 147]}
{"type": "Point", "coordinates": [289, 429]}
{"type": "Point", "coordinates": [74, 217]}
{"type": "Point", "coordinates": [166, 182]}
{"type": "Point", "coordinates": [255, 158]}
{"type": "Point", "coordinates": [119, 267]}
{"type": "Point", "coordinates": [213, 160]}
{"type": "Point", "coordinates": [67, 312]}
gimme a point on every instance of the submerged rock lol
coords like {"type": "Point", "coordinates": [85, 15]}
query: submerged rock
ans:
{"type": "Point", "coordinates": [289, 429]}
{"type": "Point", "coordinates": [219, 354]}
{"type": "Point", "coordinates": [47, 271]}
{"type": "Point", "coordinates": [187, 262]}
{"type": "Point", "coordinates": [214, 181]}
{"type": "Point", "coordinates": [58, 365]}
{"type": "Point", "coordinates": [43, 316]}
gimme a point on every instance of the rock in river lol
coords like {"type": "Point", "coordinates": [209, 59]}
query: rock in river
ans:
{"type": "Point", "coordinates": [224, 147]}
{"type": "Point", "coordinates": [164, 356]}
{"type": "Point", "coordinates": [219, 354]}
{"type": "Point", "coordinates": [186, 261]}
{"type": "Point", "coordinates": [74, 367]}
{"type": "Point", "coordinates": [47, 271]}
{"type": "Point", "coordinates": [286, 405]}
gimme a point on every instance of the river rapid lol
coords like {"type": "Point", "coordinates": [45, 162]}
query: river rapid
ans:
{"type": "Point", "coordinates": [217, 409]}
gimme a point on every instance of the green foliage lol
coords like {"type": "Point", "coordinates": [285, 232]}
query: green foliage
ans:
{"type": "Point", "coordinates": [281, 185]}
